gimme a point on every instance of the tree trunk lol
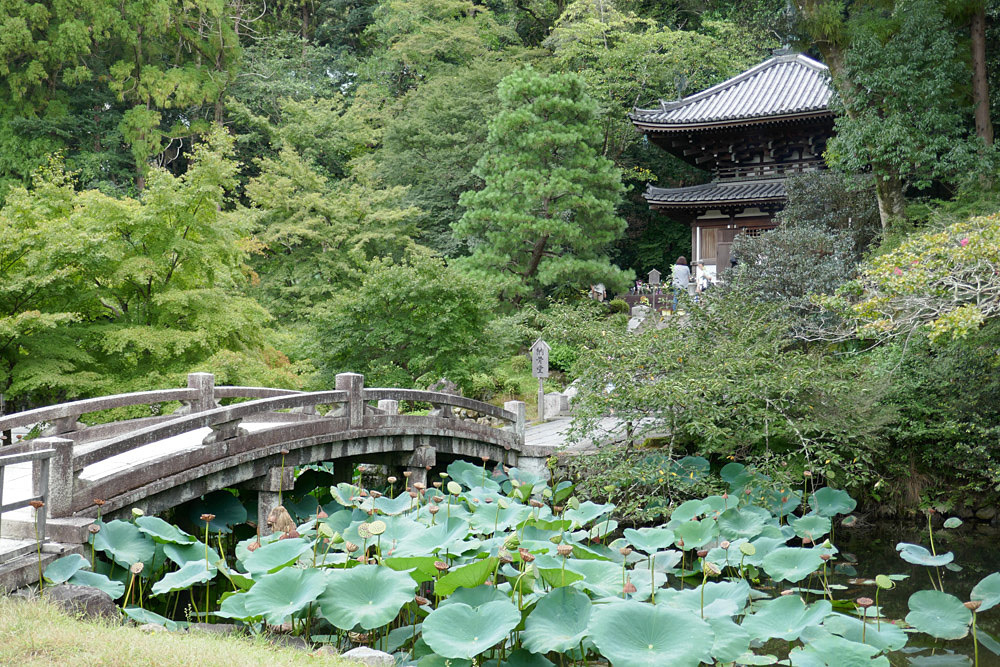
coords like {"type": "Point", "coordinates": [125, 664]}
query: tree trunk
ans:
{"type": "Point", "coordinates": [891, 205]}
{"type": "Point", "coordinates": [980, 82]}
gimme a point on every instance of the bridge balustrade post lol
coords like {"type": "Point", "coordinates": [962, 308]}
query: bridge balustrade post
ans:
{"type": "Point", "coordinates": [60, 475]}
{"type": "Point", "coordinates": [204, 384]}
{"type": "Point", "coordinates": [62, 425]}
{"type": "Point", "coordinates": [354, 384]}
{"type": "Point", "coordinates": [389, 406]}
{"type": "Point", "coordinates": [520, 410]}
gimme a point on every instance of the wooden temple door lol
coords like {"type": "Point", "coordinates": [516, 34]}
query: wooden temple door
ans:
{"type": "Point", "coordinates": [724, 247]}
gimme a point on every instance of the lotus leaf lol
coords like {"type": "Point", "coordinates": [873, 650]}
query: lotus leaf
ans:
{"type": "Point", "coordinates": [736, 475]}
{"type": "Point", "coordinates": [397, 637]}
{"type": "Point", "coordinates": [185, 553]}
{"type": "Point", "coordinates": [421, 568]}
{"type": "Point", "coordinates": [987, 591]}
{"type": "Point", "coordinates": [952, 522]}
{"type": "Point", "coordinates": [831, 502]}
{"type": "Point", "coordinates": [988, 641]}
{"type": "Point", "coordinates": [279, 595]}
{"type": "Point", "coordinates": [688, 510]}
{"type": "Point", "coordinates": [746, 522]}
{"type": "Point", "coordinates": [125, 543]}
{"type": "Point", "coordinates": [434, 660]}
{"type": "Point", "coordinates": [398, 529]}
{"type": "Point", "coordinates": [886, 637]}
{"type": "Point", "coordinates": [695, 534]}
{"type": "Point", "coordinates": [690, 468]}
{"type": "Point", "coordinates": [833, 651]}
{"type": "Point", "coordinates": [468, 576]}
{"type": "Point", "coordinates": [226, 507]}
{"type": "Point", "coordinates": [785, 617]}
{"type": "Point", "coordinates": [781, 502]}
{"type": "Point", "coordinates": [522, 658]}
{"type": "Point", "coordinates": [392, 506]}
{"type": "Point", "coordinates": [633, 634]}
{"type": "Point", "coordinates": [662, 561]}
{"type": "Point", "coordinates": [115, 589]}
{"type": "Point", "coordinates": [812, 526]}
{"type": "Point", "coordinates": [163, 532]}
{"type": "Point", "coordinates": [474, 597]}
{"type": "Point", "coordinates": [558, 622]}
{"type": "Point", "coordinates": [586, 513]}
{"type": "Point", "coordinates": [792, 564]}
{"type": "Point", "coordinates": [62, 569]}
{"type": "Point", "coordinates": [234, 606]}
{"type": "Point", "coordinates": [276, 555]}
{"type": "Point", "coordinates": [731, 641]}
{"type": "Point", "coordinates": [486, 516]}
{"type": "Point", "coordinates": [460, 631]}
{"type": "Point", "coordinates": [939, 614]}
{"type": "Point", "coordinates": [144, 616]}
{"type": "Point", "coordinates": [472, 476]}
{"type": "Point", "coordinates": [367, 595]}
{"type": "Point", "coordinates": [721, 599]}
{"type": "Point", "coordinates": [719, 504]}
{"type": "Point", "coordinates": [649, 540]}
{"type": "Point", "coordinates": [918, 555]}
{"type": "Point", "coordinates": [604, 578]}
{"type": "Point", "coordinates": [191, 573]}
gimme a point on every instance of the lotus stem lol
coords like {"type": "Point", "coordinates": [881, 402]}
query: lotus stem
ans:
{"type": "Point", "coordinates": [38, 548]}
{"type": "Point", "coordinates": [975, 641]}
{"type": "Point", "coordinates": [704, 579]}
{"type": "Point", "coordinates": [878, 616]}
{"type": "Point", "coordinates": [652, 578]}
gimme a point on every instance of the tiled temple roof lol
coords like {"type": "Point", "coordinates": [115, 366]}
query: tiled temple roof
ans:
{"type": "Point", "coordinates": [783, 86]}
{"type": "Point", "coordinates": [717, 193]}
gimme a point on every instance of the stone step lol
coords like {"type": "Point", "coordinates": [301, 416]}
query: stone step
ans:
{"type": "Point", "coordinates": [23, 570]}
{"type": "Point", "coordinates": [69, 530]}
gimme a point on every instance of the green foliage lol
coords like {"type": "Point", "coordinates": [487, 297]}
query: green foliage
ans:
{"type": "Point", "coordinates": [546, 214]}
{"type": "Point", "coordinates": [835, 202]}
{"type": "Point", "coordinates": [406, 324]}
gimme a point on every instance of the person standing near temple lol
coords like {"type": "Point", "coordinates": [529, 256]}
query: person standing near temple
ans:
{"type": "Point", "coordinates": [682, 276]}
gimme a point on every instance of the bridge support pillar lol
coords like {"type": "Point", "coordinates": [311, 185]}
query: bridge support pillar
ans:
{"type": "Point", "coordinates": [535, 464]}
{"type": "Point", "coordinates": [59, 502]}
{"type": "Point", "coordinates": [269, 489]}
{"type": "Point", "coordinates": [419, 462]}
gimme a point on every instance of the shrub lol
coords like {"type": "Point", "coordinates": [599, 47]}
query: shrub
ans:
{"type": "Point", "coordinates": [618, 306]}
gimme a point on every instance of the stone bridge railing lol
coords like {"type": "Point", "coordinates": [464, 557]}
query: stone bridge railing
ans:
{"type": "Point", "coordinates": [304, 421]}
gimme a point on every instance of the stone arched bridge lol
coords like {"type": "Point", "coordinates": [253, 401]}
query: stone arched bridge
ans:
{"type": "Point", "coordinates": [157, 462]}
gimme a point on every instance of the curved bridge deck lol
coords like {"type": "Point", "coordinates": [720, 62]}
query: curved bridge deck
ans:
{"type": "Point", "coordinates": [157, 462]}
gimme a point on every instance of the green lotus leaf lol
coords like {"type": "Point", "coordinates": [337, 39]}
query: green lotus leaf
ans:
{"type": "Point", "coordinates": [238, 580]}
{"type": "Point", "coordinates": [367, 595]}
{"type": "Point", "coordinates": [989, 641]}
{"type": "Point", "coordinates": [918, 555]}
{"type": "Point", "coordinates": [398, 529]}
{"type": "Point", "coordinates": [833, 651]}
{"type": "Point", "coordinates": [558, 622]}
{"type": "Point", "coordinates": [115, 589]}
{"type": "Point", "coordinates": [736, 475]}
{"type": "Point", "coordinates": [191, 573]}
{"type": "Point", "coordinates": [434, 660]}
{"type": "Point", "coordinates": [662, 561]}
{"type": "Point", "coordinates": [234, 606]}
{"type": "Point", "coordinates": [779, 501]}
{"type": "Point", "coordinates": [813, 526]}
{"type": "Point", "coordinates": [226, 507]}
{"type": "Point", "coordinates": [468, 576]}
{"type": "Point", "coordinates": [393, 506]}
{"type": "Point", "coordinates": [475, 597]}
{"type": "Point", "coordinates": [603, 578]}
{"type": "Point", "coordinates": [885, 637]}
{"type": "Point", "coordinates": [939, 615]}
{"type": "Point", "coordinates": [633, 634]}
{"type": "Point", "coordinates": [185, 553]}
{"type": "Point", "coordinates": [279, 595]}
{"type": "Point", "coordinates": [952, 522]}
{"type": "Point", "coordinates": [163, 532]}
{"type": "Point", "coordinates": [987, 591]}
{"type": "Point", "coordinates": [586, 513]}
{"type": "Point", "coordinates": [716, 505]}
{"type": "Point", "coordinates": [746, 522]}
{"type": "Point", "coordinates": [731, 641]}
{"type": "Point", "coordinates": [650, 540]}
{"type": "Point", "coordinates": [144, 616]}
{"type": "Point", "coordinates": [397, 637]}
{"type": "Point", "coordinates": [688, 510]}
{"type": "Point", "coordinates": [62, 569]}
{"type": "Point", "coordinates": [695, 534]}
{"type": "Point", "coordinates": [752, 659]}
{"type": "Point", "coordinates": [721, 599]}
{"type": "Point", "coordinates": [489, 516]}
{"type": "Point", "coordinates": [125, 543]}
{"type": "Point", "coordinates": [785, 618]}
{"type": "Point", "coordinates": [346, 494]}
{"type": "Point", "coordinates": [275, 555]}
{"type": "Point", "coordinates": [435, 539]}
{"type": "Point", "coordinates": [690, 468]}
{"type": "Point", "coordinates": [792, 564]}
{"type": "Point", "coordinates": [472, 476]}
{"type": "Point", "coordinates": [460, 631]}
{"type": "Point", "coordinates": [831, 502]}
{"type": "Point", "coordinates": [421, 568]}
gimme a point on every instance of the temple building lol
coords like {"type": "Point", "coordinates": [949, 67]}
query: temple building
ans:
{"type": "Point", "coordinates": [750, 132]}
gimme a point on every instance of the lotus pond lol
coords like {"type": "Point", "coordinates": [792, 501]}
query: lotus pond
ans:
{"type": "Point", "coordinates": [499, 567]}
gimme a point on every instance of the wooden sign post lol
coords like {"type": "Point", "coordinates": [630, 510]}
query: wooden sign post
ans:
{"type": "Point", "coordinates": [540, 369]}
{"type": "Point", "coordinates": [654, 281]}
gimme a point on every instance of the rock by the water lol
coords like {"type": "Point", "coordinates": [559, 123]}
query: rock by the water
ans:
{"type": "Point", "coordinates": [85, 601]}
{"type": "Point", "coordinates": [370, 657]}
{"type": "Point", "coordinates": [986, 513]}
{"type": "Point", "coordinates": [152, 627]}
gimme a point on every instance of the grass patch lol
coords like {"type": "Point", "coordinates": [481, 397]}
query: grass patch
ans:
{"type": "Point", "coordinates": [36, 632]}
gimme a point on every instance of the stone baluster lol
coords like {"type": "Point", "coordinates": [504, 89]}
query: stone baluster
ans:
{"type": "Point", "coordinates": [354, 384]}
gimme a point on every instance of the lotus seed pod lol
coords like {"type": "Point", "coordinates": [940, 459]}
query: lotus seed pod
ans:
{"type": "Point", "coordinates": [98, 502]}
{"type": "Point", "coordinates": [724, 544]}
{"type": "Point", "coordinates": [413, 494]}
{"type": "Point", "coordinates": [391, 480]}
{"type": "Point", "coordinates": [864, 603]}
{"type": "Point", "coordinates": [136, 512]}
{"type": "Point", "coordinates": [440, 566]}
{"type": "Point", "coordinates": [536, 503]}
{"type": "Point", "coordinates": [807, 474]}
{"type": "Point", "coordinates": [375, 494]}
{"type": "Point", "coordinates": [207, 517]}
{"type": "Point", "coordinates": [824, 557]}
{"type": "Point", "coordinates": [629, 587]}
{"type": "Point", "coordinates": [93, 529]}
{"type": "Point", "coordinates": [702, 553]}
{"type": "Point", "coordinates": [136, 568]}
{"type": "Point", "coordinates": [376, 527]}
{"type": "Point", "coordinates": [350, 547]}
{"type": "Point", "coordinates": [488, 500]}
{"type": "Point", "coordinates": [438, 499]}
{"type": "Point", "coordinates": [419, 486]}
{"type": "Point", "coordinates": [505, 557]}
{"type": "Point", "coordinates": [484, 459]}
{"type": "Point", "coordinates": [253, 546]}
{"type": "Point", "coordinates": [973, 605]}
{"type": "Point", "coordinates": [436, 485]}
{"type": "Point", "coordinates": [420, 600]}
{"type": "Point", "coordinates": [806, 540]}
{"type": "Point", "coordinates": [526, 555]}
{"type": "Point", "coordinates": [407, 473]}
{"type": "Point", "coordinates": [37, 504]}
{"type": "Point", "coordinates": [712, 569]}
{"type": "Point", "coordinates": [320, 514]}
{"type": "Point", "coordinates": [625, 551]}
{"type": "Point", "coordinates": [433, 509]}
{"type": "Point", "coordinates": [564, 550]}
{"type": "Point", "coordinates": [284, 452]}
{"type": "Point", "coordinates": [364, 531]}
{"type": "Point", "coordinates": [748, 549]}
